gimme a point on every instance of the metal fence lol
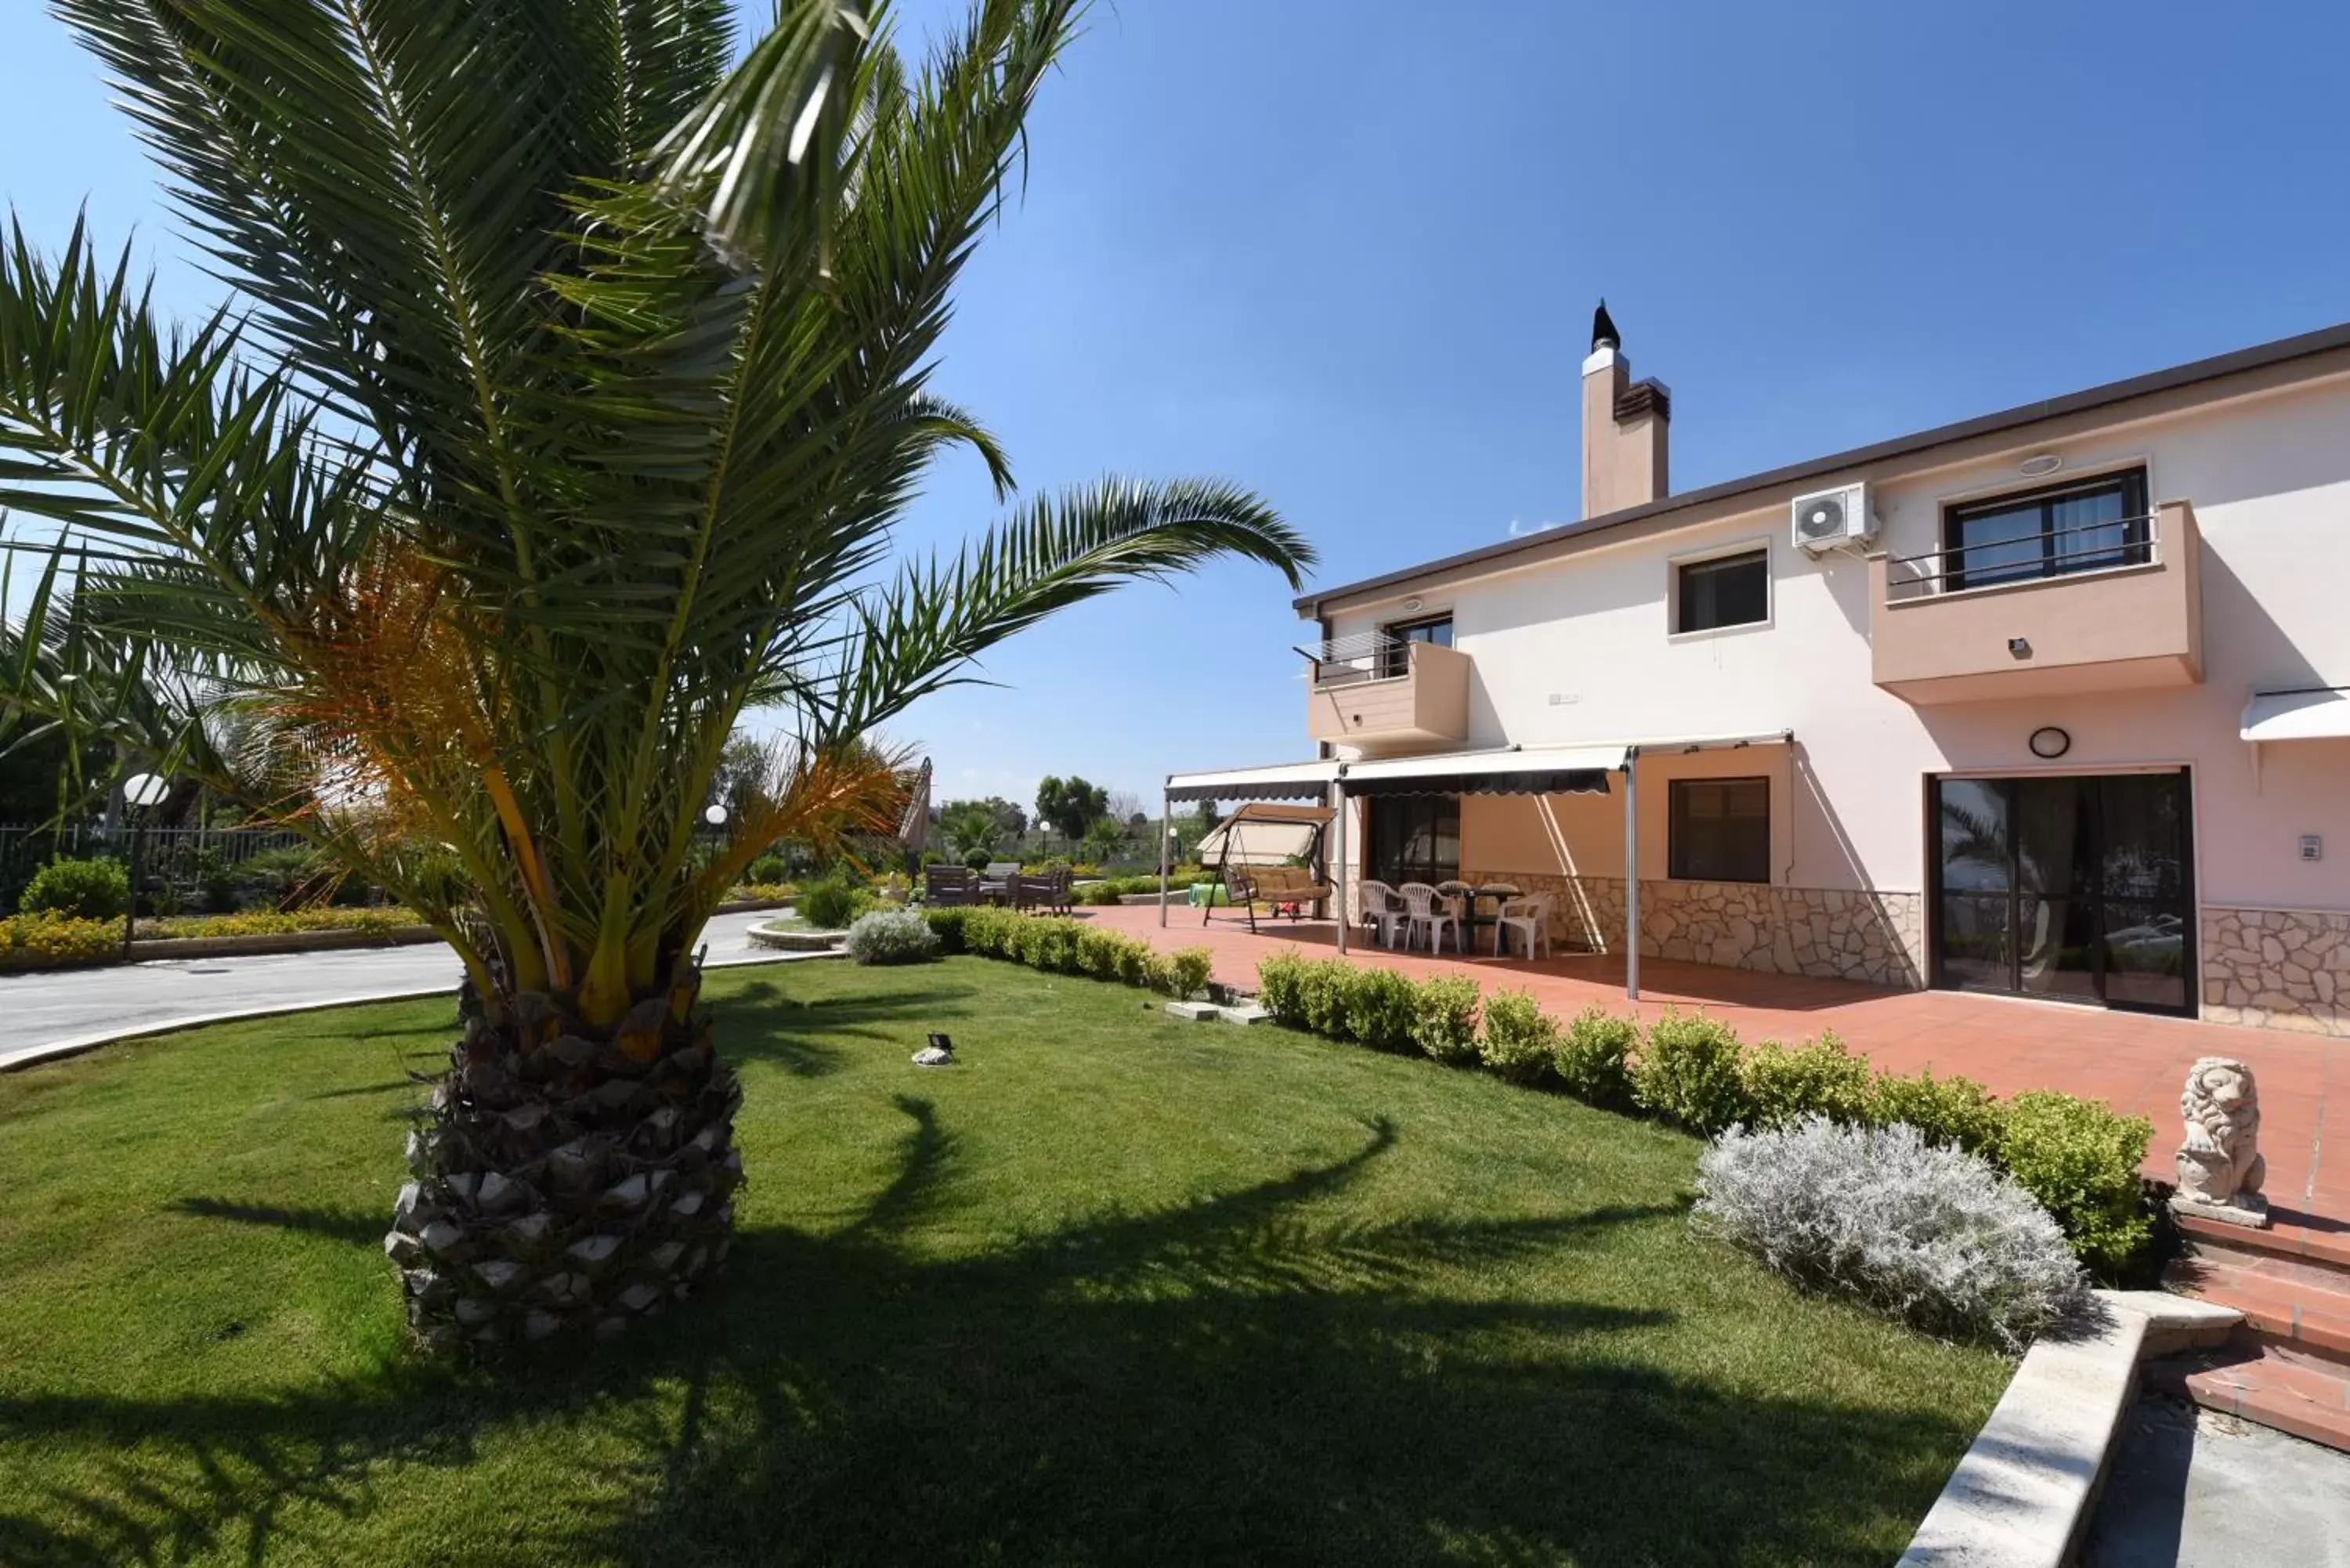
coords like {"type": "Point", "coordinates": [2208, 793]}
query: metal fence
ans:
{"type": "Point", "coordinates": [167, 853]}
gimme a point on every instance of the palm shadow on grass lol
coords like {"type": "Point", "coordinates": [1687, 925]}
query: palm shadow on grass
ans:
{"type": "Point", "coordinates": [1234, 1378]}
{"type": "Point", "coordinates": [807, 1038]}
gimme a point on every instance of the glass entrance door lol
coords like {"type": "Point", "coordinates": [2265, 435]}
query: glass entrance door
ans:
{"type": "Point", "coordinates": [2078, 888]}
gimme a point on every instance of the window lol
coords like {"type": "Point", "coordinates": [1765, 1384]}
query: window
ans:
{"type": "Point", "coordinates": [2078, 528]}
{"type": "Point", "coordinates": [1729, 591]}
{"type": "Point", "coordinates": [1414, 838]}
{"type": "Point", "coordinates": [1395, 653]}
{"type": "Point", "coordinates": [1720, 830]}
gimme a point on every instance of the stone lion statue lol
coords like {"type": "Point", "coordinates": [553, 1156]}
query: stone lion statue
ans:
{"type": "Point", "coordinates": [2220, 1163]}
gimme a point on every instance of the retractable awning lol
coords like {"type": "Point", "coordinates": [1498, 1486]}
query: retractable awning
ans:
{"type": "Point", "coordinates": [1282, 780]}
{"type": "Point", "coordinates": [1518, 770]}
{"type": "Point", "coordinates": [2308, 713]}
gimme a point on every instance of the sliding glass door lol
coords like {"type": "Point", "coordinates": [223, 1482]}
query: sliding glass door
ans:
{"type": "Point", "coordinates": [2076, 888]}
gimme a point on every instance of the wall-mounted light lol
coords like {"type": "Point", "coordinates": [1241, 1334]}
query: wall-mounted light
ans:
{"type": "Point", "coordinates": [2048, 743]}
{"type": "Point", "coordinates": [2039, 464]}
{"type": "Point", "coordinates": [2020, 647]}
{"type": "Point", "coordinates": [1413, 604]}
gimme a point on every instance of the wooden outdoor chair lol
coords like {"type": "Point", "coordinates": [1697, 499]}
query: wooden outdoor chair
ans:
{"type": "Point", "coordinates": [946, 886]}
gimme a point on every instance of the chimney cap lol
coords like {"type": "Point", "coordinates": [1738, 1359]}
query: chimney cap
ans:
{"type": "Point", "coordinates": [1603, 329]}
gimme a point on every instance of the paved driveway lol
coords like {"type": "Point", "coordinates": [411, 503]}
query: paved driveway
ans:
{"type": "Point", "coordinates": [41, 1010]}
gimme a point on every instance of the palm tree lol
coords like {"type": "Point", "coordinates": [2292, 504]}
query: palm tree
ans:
{"type": "Point", "coordinates": [576, 379]}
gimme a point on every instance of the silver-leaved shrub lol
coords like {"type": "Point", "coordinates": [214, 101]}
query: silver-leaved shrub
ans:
{"type": "Point", "coordinates": [891, 935]}
{"type": "Point", "coordinates": [1926, 1233]}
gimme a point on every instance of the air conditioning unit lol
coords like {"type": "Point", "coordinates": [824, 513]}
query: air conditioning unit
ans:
{"type": "Point", "coordinates": [1831, 519]}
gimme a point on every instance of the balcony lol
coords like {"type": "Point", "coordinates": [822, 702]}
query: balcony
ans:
{"type": "Point", "coordinates": [2104, 607]}
{"type": "Point", "coordinates": [1384, 695]}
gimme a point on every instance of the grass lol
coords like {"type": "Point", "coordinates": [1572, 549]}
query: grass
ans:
{"type": "Point", "coordinates": [1116, 1290]}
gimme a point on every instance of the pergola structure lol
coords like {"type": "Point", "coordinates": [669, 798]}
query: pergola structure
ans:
{"type": "Point", "coordinates": [1503, 770]}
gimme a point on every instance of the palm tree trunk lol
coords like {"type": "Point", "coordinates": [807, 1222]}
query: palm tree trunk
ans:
{"type": "Point", "coordinates": [567, 1177]}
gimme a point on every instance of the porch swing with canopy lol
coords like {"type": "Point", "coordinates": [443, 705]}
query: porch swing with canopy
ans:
{"type": "Point", "coordinates": [1270, 853]}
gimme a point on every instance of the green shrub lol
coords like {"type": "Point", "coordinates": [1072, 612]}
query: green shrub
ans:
{"type": "Point", "coordinates": [1956, 1112]}
{"type": "Point", "coordinates": [2080, 1158]}
{"type": "Point", "coordinates": [1785, 1084]}
{"type": "Point", "coordinates": [992, 933]}
{"type": "Point", "coordinates": [1381, 1007]}
{"type": "Point", "coordinates": [1687, 1072]}
{"type": "Point", "coordinates": [832, 905]}
{"type": "Point", "coordinates": [947, 926]}
{"type": "Point", "coordinates": [1191, 968]}
{"type": "Point", "coordinates": [891, 935]}
{"type": "Point", "coordinates": [1280, 989]}
{"type": "Point", "coordinates": [93, 889]}
{"type": "Point", "coordinates": [1048, 942]}
{"type": "Point", "coordinates": [1520, 1038]}
{"type": "Point", "coordinates": [1100, 952]}
{"type": "Point", "coordinates": [1444, 1019]}
{"type": "Point", "coordinates": [285, 878]}
{"type": "Point", "coordinates": [1328, 986]}
{"type": "Point", "coordinates": [978, 859]}
{"type": "Point", "coordinates": [1594, 1056]}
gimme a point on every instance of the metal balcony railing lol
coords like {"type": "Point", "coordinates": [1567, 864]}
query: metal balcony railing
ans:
{"type": "Point", "coordinates": [1363, 656]}
{"type": "Point", "coordinates": [2027, 558]}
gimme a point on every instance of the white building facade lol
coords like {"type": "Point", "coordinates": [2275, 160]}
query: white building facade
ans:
{"type": "Point", "coordinates": [2064, 715]}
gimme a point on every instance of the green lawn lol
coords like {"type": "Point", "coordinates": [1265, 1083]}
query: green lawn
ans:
{"type": "Point", "coordinates": [1117, 1289]}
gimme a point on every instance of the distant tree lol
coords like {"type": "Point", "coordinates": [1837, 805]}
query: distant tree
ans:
{"type": "Point", "coordinates": [1071, 805]}
{"type": "Point", "coordinates": [1010, 822]}
{"type": "Point", "coordinates": [1125, 805]}
{"type": "Point", "coordinates": [1209, 816]}
{"type": "Point", "coordinates": [743, 766]}
{"type": "Point", "coordinates": [970, 825]}
{"type": "Point", "coordinates": [1104, 838]}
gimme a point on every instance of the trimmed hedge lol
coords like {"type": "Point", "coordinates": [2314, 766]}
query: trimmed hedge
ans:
{"type": "Point", "coordinates": [2078, 1158]}
{"type": "Point", "coordinates": [1594, 1060]}
{"type": "Point", "coordinates": [1059, 945]}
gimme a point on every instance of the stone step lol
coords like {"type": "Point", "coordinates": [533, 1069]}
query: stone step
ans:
{"type": "Point", "coordinates": [2291, 1235]}
{"type": "Point", "coordinates": [2287, 1300]}
{"type": "Point", "coordinates": [2266, 1384]}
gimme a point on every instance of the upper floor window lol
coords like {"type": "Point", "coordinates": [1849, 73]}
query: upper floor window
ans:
{"type": "Point", "coordinates": [2077, 527]}
{"type": "Point", "coordinates": [1727, 590]}
{"type": "Point", "coordinates": [1395, 649]}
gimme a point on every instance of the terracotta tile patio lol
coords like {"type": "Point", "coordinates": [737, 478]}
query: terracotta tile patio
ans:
{"type": "Point", "coordinates": [2133, 1062]}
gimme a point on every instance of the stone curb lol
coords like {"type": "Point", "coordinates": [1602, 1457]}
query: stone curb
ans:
{"type": "Point", "coordinates": [2022, 1496]}
{"type": "Point", "coordinates": [55, 1050]}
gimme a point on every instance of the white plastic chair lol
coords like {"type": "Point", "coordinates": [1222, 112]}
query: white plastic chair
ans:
{"type": "Point", "coordinates": [1424, 907]}
{"type": "Point", "coordinates": [1377, 904]}
{"type": "Point", "coordinates": [1530, 917]}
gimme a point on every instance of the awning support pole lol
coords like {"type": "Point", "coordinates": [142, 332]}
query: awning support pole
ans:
{"type": "Point", "coordinates": [1166, 842]}
{"type": "Point", "coordinates": [1339, 861]}
{"type": "Point", "coordinates": [1632, 873]}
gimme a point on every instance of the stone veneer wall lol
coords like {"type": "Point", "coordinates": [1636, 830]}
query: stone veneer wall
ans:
{"type": "Point", "coordinates": [2277, 969]}
{"type": "Point", "coordinates": [1829, 932]}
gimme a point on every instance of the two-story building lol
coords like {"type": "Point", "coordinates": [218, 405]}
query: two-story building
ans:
{"type": "Point", "coordinates": [2054, 701]}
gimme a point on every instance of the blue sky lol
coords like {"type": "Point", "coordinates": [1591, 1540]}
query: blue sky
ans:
{"type": "Point", "coordinates": [1345, 253]}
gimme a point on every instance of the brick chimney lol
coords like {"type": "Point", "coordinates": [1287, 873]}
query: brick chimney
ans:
{"type": "Point", "coordinates": [1624, 426]}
